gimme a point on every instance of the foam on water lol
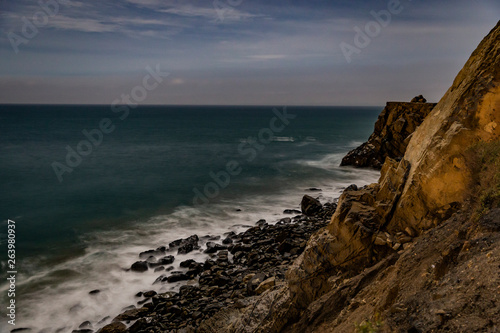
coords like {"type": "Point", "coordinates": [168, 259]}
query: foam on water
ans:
{"type": "Point", "coordinates": [127, 197]}
{"type": "Point", "coordinates": [59, 298]}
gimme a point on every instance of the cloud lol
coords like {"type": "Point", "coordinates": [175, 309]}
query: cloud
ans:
{"type": "Point", "coordinates": [82, 24]}
{"type": "Point", "coordinates": [268, 52]}
{"type": "Point", "coordinates": [267, 56]}
{"type": "Point", "coordinates": [212, 13]}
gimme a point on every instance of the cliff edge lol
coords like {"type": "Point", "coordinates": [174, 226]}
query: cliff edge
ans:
{"type": "Point", "coordinates": [392, 133]}
{"type": "Point", "coordinates": [418, 251]}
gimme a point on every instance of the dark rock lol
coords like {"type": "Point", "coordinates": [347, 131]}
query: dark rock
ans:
{"type": "Point", "coordinates": [130, 307]}
{"type": "Point", "coordinates": [175, 243]}
{"type": "Point", "coordinates": [395, 124]}
{"type": "Point", "coordinates": [185, 245]}
{"type": "Point", "coordinates": [85, 324]}
{"type": "Point", "coordinates": [491, 221]}
{"type": "Point", "coordinates": [230, 234]}
{"type": "Point", "coordinates": [227, 240]}
{"type": "Point", "coordinates": [149, 294]}
{"type": "Point", "coordinates": [221, 280]}
{"type": "Point", "coordinates": [151, 260]}
{"type": "Point", "coordinates": [352, 187]}
{"type": "Point", "coordinates": [187, 263]}
{"type": "Point", "coordinates": [286, 220]}
{"type": "Point", "coordinates": [214, 306]}
{"type": "Point", "coordinates": [85, 330]}
{"type": "Point", "coordinates": [185, 248]}
{"type": "Point", "coordinates": [214, 247]}
{"type": "Point", "coordinates": [314, 189]}
{"type": "Point", "coordinates": [94, 292]}
{"type": "Point", "coordinates": [419, 99]}
{"type": "Point", "coordinates": [174, 309]}
{"type": "Point", "coordinates": [285, 246]}
{"type": "Point", "coordinates": [154, 253]}
{"type": "Point", "coordinates": [254, 282]}
{"type": "Point", "coordinates": [194, 271]}
{"type": "Point", "coordinates": [159, 279]}
{"type": "Point", "coordinates": [114, 328]}
{"type": "Point", "coordinates": [131, 314]}
{"type": "Point", "coordinates": [167, 260]}
{"type": "Point", "coordinates": [292, 211]}
{"type": "Point", "coordinates": [103, 320]}
{"type": "Point", "coordinates": [139, 326]}
{"type": "Point", "coordinates": [177, 277]}
{"type": "Point", "coordinates": [241, 247]}
{"type": "Point", "coordinates": [261, 222]}
{"type": "Point", "coordinates": [310, 206]}
{"type": "Point", "coordinates": [139, 266]}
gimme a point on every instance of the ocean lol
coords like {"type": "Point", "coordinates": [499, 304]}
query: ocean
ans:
{"type": "Point", "coordinates": [90, 187]}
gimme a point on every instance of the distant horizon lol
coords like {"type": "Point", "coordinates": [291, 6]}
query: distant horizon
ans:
{"type": "Point", "coordinates": [171, 52]}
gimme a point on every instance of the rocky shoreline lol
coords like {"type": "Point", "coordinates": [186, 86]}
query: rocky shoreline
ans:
{"type": "Point", "coordinates": [238, 266]}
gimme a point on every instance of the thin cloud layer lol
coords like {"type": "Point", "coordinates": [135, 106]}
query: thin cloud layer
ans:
{"type": "Point", "coordinates": [282, 52]}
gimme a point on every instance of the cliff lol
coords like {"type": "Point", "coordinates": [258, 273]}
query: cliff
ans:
{"type": "Point", "coordinates": [418, 251]}
{"type": "Point", "coordinates": [391, 135]}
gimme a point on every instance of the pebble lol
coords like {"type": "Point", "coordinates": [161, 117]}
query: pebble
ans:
{"type": "Point", "coordinates": [239, 266]}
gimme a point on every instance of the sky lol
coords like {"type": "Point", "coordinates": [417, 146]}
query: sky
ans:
{"type": "Point", "coordinates": [236, 52]}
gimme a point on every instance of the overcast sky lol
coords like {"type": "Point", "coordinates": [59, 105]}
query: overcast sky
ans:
{"type": "Point", "coordinates": [257, 52]}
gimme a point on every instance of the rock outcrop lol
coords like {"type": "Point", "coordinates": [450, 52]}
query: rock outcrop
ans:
{"type": "Point", "coordinates": [393, 130]}
{"type": "Point", "coordinates": [425, 188]}
{"type": "Point", "coordinates": [382, 252]}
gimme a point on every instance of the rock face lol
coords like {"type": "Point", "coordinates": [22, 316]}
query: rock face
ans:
{"type": "Point", "coordinates": [310, 206]}
{"type": "Point", "coordinates": [419, 99]}
{"type": "Point", "coordinates": [468, 113]}
{"type": "Point", "coordinates": [424, 181]}
{"type": "Point", "coordinates": [414, 194]}
{"type": "Point", "coordinates": [391, 135]}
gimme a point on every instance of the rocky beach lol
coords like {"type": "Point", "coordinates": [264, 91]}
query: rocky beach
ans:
{"type": "Point", "coordinates": [238, 268]}
{"type": "Point", "coordinates": [241, 267]}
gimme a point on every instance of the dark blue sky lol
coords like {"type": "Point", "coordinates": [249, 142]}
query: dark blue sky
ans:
{"type": "Point", "coordinates": [236, 51]}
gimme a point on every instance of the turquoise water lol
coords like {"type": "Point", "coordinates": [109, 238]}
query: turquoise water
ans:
{"type": "Point", "coordinates": [134, 186]}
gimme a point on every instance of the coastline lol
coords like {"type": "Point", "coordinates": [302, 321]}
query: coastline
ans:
{"type": "Point", "coordinates": [54, 293]}
{"type": "Point", "coordinates": [237, 266]}
{"type": "Point", "coordinates": [81, 302]}
{"type": "Point", "coordinates": [417, 251]}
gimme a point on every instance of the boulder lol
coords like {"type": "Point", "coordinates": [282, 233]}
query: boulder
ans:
{"type": "Point", "coordinates": [419, 99]}
{"type": "Point", "coordinates": [265, 285]}
{"type": "Point", "coordinates": [254, 282]}
{"type": "Point", "coordinates": [131, 314]}
{"type": "Point", "coordinates": [139, 266]}
{"type": "Point", "coordinates": [214, 247]}
{"type": "Point", "coordinates": [310, 206]}
{"type": "Point", "coordinates": [177, 277]}
{"type": "Point", "coordinates": [116, 327]}
{"type": "Point", "coordinates": [186, 245]}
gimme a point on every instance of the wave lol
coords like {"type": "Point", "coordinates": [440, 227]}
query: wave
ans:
{"type": "Point", "coordinates": [58, 297]}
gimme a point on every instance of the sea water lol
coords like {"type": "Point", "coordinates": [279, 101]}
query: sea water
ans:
{"type": "Point", "coordinates": [155, 175]}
